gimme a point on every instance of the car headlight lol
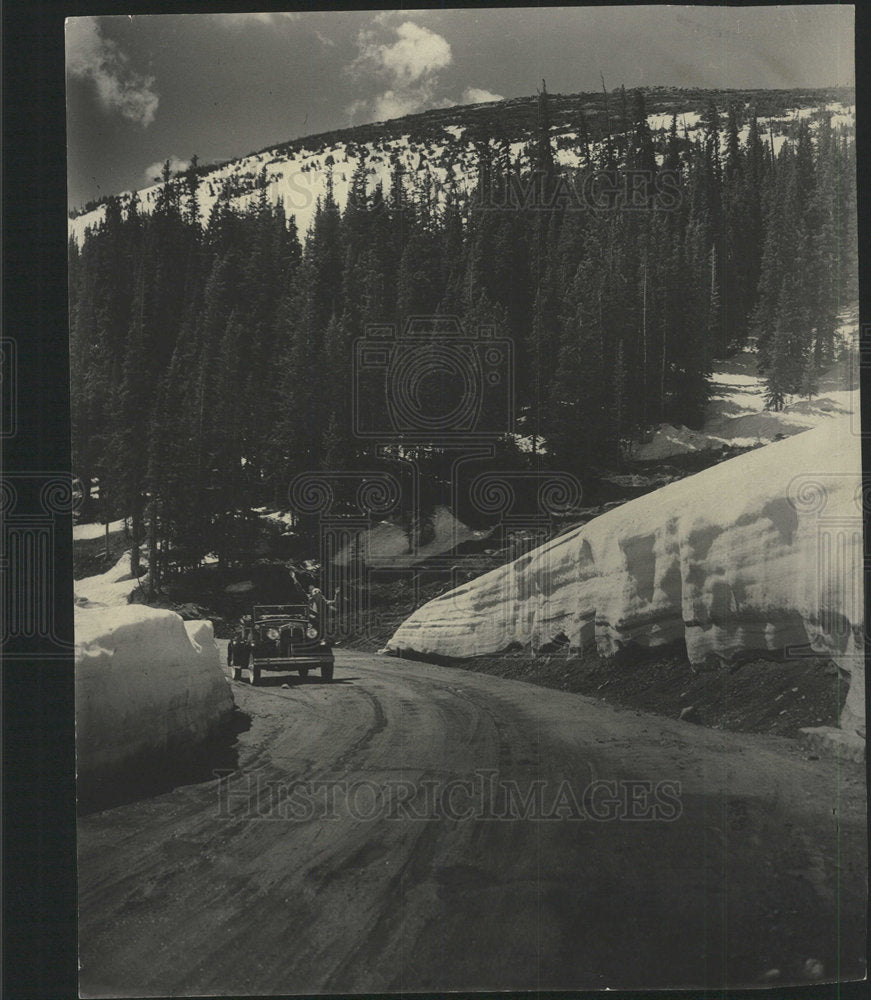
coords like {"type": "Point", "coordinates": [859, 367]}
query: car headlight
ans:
{"type": "Point", "coordinates": [273, 634]}
{"type": "Point", "coordinates": [311, 632]}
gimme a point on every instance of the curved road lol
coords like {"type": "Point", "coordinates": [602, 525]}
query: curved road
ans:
{"type": "Point", "coordinates": [352, 842]}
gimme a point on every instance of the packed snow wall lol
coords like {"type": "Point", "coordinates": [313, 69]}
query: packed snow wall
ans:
{"type": "Point", "coordinates": [147, 684]}
{"type": "Point", "coordinates": [756, 556]}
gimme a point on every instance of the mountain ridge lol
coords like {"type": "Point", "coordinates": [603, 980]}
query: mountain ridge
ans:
{"type": "Point", "coordinates": [439, 137]}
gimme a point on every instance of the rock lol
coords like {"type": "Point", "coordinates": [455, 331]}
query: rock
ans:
{"type": "Point", "coordinates": [832, 742]}
{"type": "Point", "coordinates": [285, 686]}
{"type": "Point", "coordinates": [690, 714]}
{"type": "Point", "coordinates": [190, 612]}
{"type": "Point", "coordinates": [814, 969]}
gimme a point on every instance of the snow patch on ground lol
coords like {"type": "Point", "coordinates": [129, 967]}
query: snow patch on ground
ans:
{"type": "Point", "coordinates": [657, 122]}
{"type": "Point", "coordinates": [287, 518]}
{"type": "Point", "coordinates": [736, 413]}
{"type": "Point", "coordinates": [386, 544]}
{"type": "Point", "coordinates": [85, 532]}
{"type": "Point", "coordinates": [736, 560]}
{"type": "Point", "coordinates": [668, 441]}
{"type": "Point", "coordinates": [111, 589]}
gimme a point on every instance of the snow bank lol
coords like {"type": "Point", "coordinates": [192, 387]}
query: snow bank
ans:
{"type": "Point", "coordinates": [146, 684]}
{"type": "Point", "coordinates": [386, 544]}
{"type": "Point", "coordinates": [760, 554]}
{"type": "Point", "coordinates": [146, 681]}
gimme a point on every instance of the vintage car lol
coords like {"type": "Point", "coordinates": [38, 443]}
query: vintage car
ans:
{"type": "Point", "coordinates": [281, 637]}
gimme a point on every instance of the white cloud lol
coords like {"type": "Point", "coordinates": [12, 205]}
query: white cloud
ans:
{"type": "Point", "coordinates": [176, 165]}
{"type": "Point", "coordinates": [391, 104]}
{"type": "Point", "coordinates": [355, 107]}
{"type": "Point", "coordinates": [240, 20]}
{"type": "Point", "coordinates": [408, 66]}
{"type": "Point", "coordinates": [416, 54]}
{"type": "Point", "coordinates": [477, 95]}
{"type": "Point", "coordinates": [90, 56]}
{"type": "Point", "coordinates": [324, 40]}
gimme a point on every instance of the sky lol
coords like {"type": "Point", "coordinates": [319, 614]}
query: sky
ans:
{"type": "Point", "coordinates": [144, 89]}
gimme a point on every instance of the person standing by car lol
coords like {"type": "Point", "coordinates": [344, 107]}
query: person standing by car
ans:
{"type": "Point", "coordinates": [319, 603]}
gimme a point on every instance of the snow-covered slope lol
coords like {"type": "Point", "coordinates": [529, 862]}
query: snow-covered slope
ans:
{"type": "Point", "coordinates": [736, 413]}
{"type": "Point", "coordinates": [434, 145]}
{"type": "Point", "coordinates": [298, 177]}
{"type": "Point", "coordinates": [113, 588]}
{"type": "Point", "coordinates": [759, 554]}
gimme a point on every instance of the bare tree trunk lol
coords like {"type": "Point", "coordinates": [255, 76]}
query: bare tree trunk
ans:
{"type": "Point", "coordinates": [644, 341]}
{"type": "Point", "coordinates": [136, 537]}
{"type": "Point", "coordinates": [104, 502]}
{"type": "Point", "coordinates": [153, 566]}
{"type": "Point", "coordinates": [662, 374]}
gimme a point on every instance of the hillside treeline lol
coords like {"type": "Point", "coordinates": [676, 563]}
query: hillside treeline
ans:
{"type": "Point", "coordinates": [211, 363]}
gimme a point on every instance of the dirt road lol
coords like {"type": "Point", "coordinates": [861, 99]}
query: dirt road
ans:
{"type": "Point", "coordinates": [352, 843]}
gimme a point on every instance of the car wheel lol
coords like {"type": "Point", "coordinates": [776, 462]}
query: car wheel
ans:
{"type": "Point", "coordinates": [327, 672]}
{"type": "Point", "coordinates": [255, 673]}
